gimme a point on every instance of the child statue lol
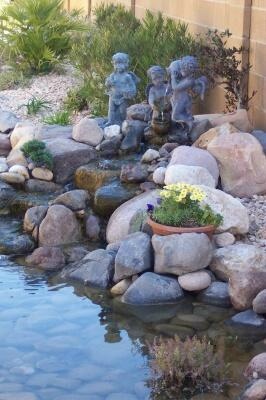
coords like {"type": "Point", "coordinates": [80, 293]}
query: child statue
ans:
{"type": "Point", "coordinates": [121, 86]}
{"type": "Point", "coordinates": [158, 93]}
{"type": "Point", "coordinates": [184, 85]}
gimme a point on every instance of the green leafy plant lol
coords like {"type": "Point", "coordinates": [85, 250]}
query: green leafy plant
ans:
{"type": "Point", "coordinates": [36, 34]}
{"type": "Point", "coordinates": [34, 105]}
{"type": "Point", "coordinates": [190, 365]}
{"type": "Point", "coordinates": [36, 152]}
{"type": "Point", "coordinates": [180, 205]}
{"type": "Point", "coordinates": [59, 118]}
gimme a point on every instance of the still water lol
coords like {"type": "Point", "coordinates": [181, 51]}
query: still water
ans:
{"type": "Point", "coordinates": [60, 342]}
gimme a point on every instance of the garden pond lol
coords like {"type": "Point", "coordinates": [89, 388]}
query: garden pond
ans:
{"type": "Point", "coordinates": [64, 342]}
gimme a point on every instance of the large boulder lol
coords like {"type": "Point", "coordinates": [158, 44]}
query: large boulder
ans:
{"type": "Point", "coordinates": [23, 133]}
{"type": "Point", "coordinates": [189, 174]}
{"type": "Point", "coordinates": [74, 199]}
{"type": "Point", "coordinates": [244, 266]}
{"type": "Point", "coordinates": [95, 269]}
{"type": "Point", "coordinates": [54, 131]}
{"type": "Point", "coordinates": [68, 155]}
{"type": "Point", "coordinates": [204, 140]}
{"type": "Point", "coordinates": [181, 253]}
{"type": "Point", "coordinates": [235, 215]}
{"type": "Point", "coordinates": [242, 163]}
{"type": "Point", "coordinates": [134, 256]}
{"type": "Point", "coordinates": [260, 136]}
{"type": "Point", "coordinates": [238, 118]}
{"type": "Point", "coordinates": [192, 156]}
{"type": "Point", "coordinates": [88, 131]}
{"type": "Point", "coordinates": [59, 227]}
{"type": "Point", "coordinates": [47, 258]}
{"type": "Point", "coordinates": [8, 121]}
{"type": "Point", "coordinates": [151, 288]}
{"type": "Point", "coordinates": [119, 225]}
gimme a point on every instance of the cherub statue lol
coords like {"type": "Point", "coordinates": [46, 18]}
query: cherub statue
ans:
{"type": "Point", "coordinates": [121, 86]}
{"type": "Point", "coordinates": [184, 85]}
{"type": "Point", "coordinates": [158, 93]}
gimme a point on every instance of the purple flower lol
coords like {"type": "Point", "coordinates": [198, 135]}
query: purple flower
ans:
{"type": "Point", "coordinates": [150, 208]}
{"type": "Point", "coordinates": [159, 201]}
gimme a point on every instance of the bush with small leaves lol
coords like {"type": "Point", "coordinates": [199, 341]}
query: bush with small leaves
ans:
{"type": "Point", "coordinates": [35, 151]}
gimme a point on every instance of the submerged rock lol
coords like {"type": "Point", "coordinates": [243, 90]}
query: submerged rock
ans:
{"type": "Point", "coordinates": [7, 193]}
{"type": "Point", "coordinates": [95, 269]}
{"type": "Point", "coordinates": [121, 287]}
{"type": "Point", "coordinates": [181, 253]}
{"type": "Point", "coordinates": [47, 258]}
{"type": "Point", "coordinates": [89, 177]}
{"type": "Point", "coordinates": [19, 244]}
{"type": "Point", "coordinates": [216, 294]}
{"type": "Point", "coordinates": [247, 323]}
{"type": "Point", "coordinates": [151, 288]}
{"type": "Point", "coordinates": [134, 256]}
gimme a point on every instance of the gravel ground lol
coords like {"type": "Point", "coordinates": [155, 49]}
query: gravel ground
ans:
{"type": "Point", "coordinates": [52, 88]}
{"type": "Point", "coordinates": [257, 213]}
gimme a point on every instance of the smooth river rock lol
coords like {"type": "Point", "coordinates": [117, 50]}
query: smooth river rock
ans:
{"type": "Point", "coordinates": [43, 174]}
{"type": "Point", "coordinates": [59, 227]}
{"type": "Point", "coordinates": [87, 131]}
{"type": "Point", "coordinates": [74, 199]}
{"type": "Point", "coordinates": [259, 303]}
{"type": "Point", "coordinates": [34, 217]}
{"type": "Point", "coordinates": [194, 281]}
{"type": "Point", "coordinates": [21, 170]}
{"type": "Point", "coordinates": [194, 175]}
{"type": "Point", "coordinates": [216, 294]}
{"type": "Point", "coordinates": [257, 391]}
{"type": "Point", "coordinates": [133, 256]}
{"type": "Point", "coordinates": [151, 288]}
{"type": "Point", "coordinates": [247, 323]}
{"type": "Point", "coordinates": [22, 133]}
{"type": "Point", "coordinates": [47, 258]}
{"type": "Point", "coordinates": [258, 366]}
{"type": "Point", "coordinates": [181, 253]}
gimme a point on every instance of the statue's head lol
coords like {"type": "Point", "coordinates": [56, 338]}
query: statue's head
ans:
{"type": "Point", "coordinates": [120, 62]}
{"type": "Point", "coordinates": [189, 65]}
{"type": "Point", "coordinates": [174, 69]}
{"type": "Point", "coordinates": [156, 74]}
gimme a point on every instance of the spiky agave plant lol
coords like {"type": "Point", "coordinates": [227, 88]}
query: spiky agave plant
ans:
{"type": "Point", "coordinates": [36, 34]}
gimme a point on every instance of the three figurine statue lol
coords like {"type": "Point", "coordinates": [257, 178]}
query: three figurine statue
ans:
{"type": "Point", "coordinates": [170, 100]}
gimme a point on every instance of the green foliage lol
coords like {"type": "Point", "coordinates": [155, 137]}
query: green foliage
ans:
{"type": "Point", "coordinates": [34, 105]}
{"type": "Point", "coordinates": [58, 118]}
{"type": "Point", "coordinates": [154, 40]}
{"type": "Point", "coordinates": [191, 365]}
{"type": "Point", "coordinates": [180, 205]}
{"type": "Point", "coordinates": [36, 34]}
{"type": "Point", "coordinates": [36, 152]}
{"type": "Point", "coordinates": [11, 79]}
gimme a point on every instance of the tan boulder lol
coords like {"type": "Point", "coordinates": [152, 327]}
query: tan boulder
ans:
{"type": "Point", "coordinates": [242, 163]}
{"type": "Point", "coordinates": [16, 157]}
{"type": "Point", "coordinates": [238, 118]}
{"type": "Point", "coordinates": [43, 174]}
{"type": "Point", "coordinates": [204, 140]}
{"type": "Point", "coordinates": [23, 132]}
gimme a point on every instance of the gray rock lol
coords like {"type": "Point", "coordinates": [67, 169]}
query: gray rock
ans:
{"type": "Point", "coordinates": [5, 145]}
{"type": "Point", "coordinates": [36, 185]}
{"type": "Point", "coordinates": [224, 239]}
{"type": "Point", "coordinates": [110, 147]}
{"type": "Point", "coordinates": [150, 155]}
{"type": "Point", "coordinates": [196, 322]}
{"type": "Point", "coordinates": [93, 227]}
{"type": "Point", "coordinates": [134, 256]}
{"type": "Point", "coordinates": [151, 288]}
{"type": "Point", "coordinates": [54, 131]}
{"type": "Point", "coordinates": [95, 269]}
{"type": "Point", "coordinates": [199, 128]}
{"type": "Point", "coordinates": [247, 323]}
{"type": "Point", "coordinates": [68, 155]}
{"type": "Point", "coordinates": [47, 258]}
{"type": "Point", "coordinates": [261, 137]}
{"type": "Point", "coordinates": [109, 197]}
{"type": "Point", "coordinates": [74, 199]}
{"type": "Point", "coordinates": [133, 173]}
{"type": "Point", "coordinates": [259, 303]}
{"type": "Point", "coordinates": [59, 227]}
{"type": "Point", "coordinates": [134, 133]}
{"type": "Point", "coordinates": [216, 294]}
{"type": "Point", "coordinates": [141, 112]}
{"type": "Point", "coordinates": [21, 244]}
{"type": "Point", "coordinates": [34, 217]}
{"type": "Point", "coordinates": [7, 193]}
{"type": "Point", "coordinates": [181, 253]}
{"type": "Point", "coordinates": [8, 121]}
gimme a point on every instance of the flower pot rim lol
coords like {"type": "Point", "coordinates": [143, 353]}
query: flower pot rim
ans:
{"type": "Point", "coordinates": [208, 229]}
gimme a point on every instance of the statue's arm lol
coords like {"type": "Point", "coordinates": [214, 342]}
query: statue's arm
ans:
{"type": "Point", "coordinates": [184, 84]}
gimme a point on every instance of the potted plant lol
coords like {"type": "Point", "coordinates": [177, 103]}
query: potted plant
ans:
{"type": "Point", "coordinates": [180, 210]}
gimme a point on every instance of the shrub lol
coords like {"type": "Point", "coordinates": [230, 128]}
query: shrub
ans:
{"type": "Point", "coordinates": [36, 34]}
{"type": "Point", "coordinates": [34, 105]}
{"type": "Point", "coordinates": [189, 365]}
{"type": "Point", "coordinates": [180, 205]}
{"type": "Point", "coordinates": [36, 152]}
{"type": "Point", "coordinates": [59, 118]}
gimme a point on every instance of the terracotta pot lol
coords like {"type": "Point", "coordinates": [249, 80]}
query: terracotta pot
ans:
{"type": "Point", "coordinates": [164, 230]}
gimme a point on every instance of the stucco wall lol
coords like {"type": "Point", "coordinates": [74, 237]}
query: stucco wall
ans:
{"type": "Point", "coordinates": [246, 19]}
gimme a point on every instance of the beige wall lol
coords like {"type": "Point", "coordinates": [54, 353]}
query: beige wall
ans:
{"type": "Point", "coordinates": [246, 19]}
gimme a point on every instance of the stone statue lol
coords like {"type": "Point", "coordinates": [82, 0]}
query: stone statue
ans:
{"type": "Point", "coordinates": [159, 94]}
{"type": "Point", "coordinates": [121, 86]}
{"type": "Point", "coordinates": [184, 86]}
